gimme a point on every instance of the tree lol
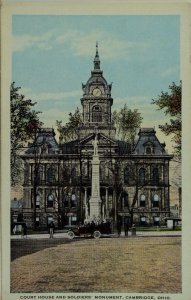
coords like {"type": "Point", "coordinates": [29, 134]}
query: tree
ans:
{"type": "Point", "coordinates": [24, 120]}
{"type": "Point", "coordinates": [171, 104]}
{"type": "Point", "coordinates": [127, 123]}
{"type": "Point", "coordinates": [68, 131]}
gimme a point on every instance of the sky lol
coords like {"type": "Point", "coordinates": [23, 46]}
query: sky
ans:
{"type": "Point", "coordinates": [53, 55]}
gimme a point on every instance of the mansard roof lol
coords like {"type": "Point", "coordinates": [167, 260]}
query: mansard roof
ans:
{"type": "Point", "coordinates": [147, 138]}
{"type": "Point", "coordinates": [45, 141]}
{"type": "Point", "coordinates": [47, 144]}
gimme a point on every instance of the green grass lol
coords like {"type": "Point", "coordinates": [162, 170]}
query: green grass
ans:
{"type": "Point", "coordinates": [157, 229]}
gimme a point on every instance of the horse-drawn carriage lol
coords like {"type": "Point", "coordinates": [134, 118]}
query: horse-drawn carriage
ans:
{"type": "Point", "coordinates": [91, 229]}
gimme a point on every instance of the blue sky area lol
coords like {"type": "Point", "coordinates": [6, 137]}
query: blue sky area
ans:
{"type": "Point", "coordinates": [53, 55]}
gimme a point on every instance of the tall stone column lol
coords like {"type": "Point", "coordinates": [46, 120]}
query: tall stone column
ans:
{"type": "Point", "coordinates": [95, 201]}
{"type": "Point", "coordinates": [86, 206]}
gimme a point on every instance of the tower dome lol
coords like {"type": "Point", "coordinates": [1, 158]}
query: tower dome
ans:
{"type": "Point", "coordinates": [97, 101]}
{"type": "Point", "coordinates": [96, 80]}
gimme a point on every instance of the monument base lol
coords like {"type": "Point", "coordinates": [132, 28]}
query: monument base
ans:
{"type": "Point", "coordinates": [95, 210]}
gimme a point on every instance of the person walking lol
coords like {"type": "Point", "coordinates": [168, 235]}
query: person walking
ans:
{"type": "Point", "coordinates": [25, 230]}
{"type": "Point", "coordinates": [119, 227]}
{"type": "Point", "coordinates": [51, 230]}
{"type": "Point", "coordinates": [126, 229]}
{"type": "Point", "coordinates": [22, 231]}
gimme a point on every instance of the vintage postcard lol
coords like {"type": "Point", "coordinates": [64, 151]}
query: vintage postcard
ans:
{"type": "Point", "coordinates": [95, 150]}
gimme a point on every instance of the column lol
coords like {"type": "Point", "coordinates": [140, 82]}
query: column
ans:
{"type": "Point", "coordinates": [86, 205]}
{"type": "Point", "coordinates": [106, 203]}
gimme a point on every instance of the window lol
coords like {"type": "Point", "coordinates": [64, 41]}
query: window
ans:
{"type": "Point", "coordinates": [141, 176]}
{"type": "Point", "coordinates": [37, 221]}
{"type": "Point", "coordinates": [155, 176]}
{"type": "Point", "coordinates": [96, 114]}
{"type": "Point", "coordinates": [156, 221]}
{"type": "Point", "coordinates": [50, 200]}
{"type": "Point", "coordinates": [156, 201]}
{"type": "Point", "coordinates": [73, 220]}
{"type": "Point", "coordinates": [148, 150]}
{"type": "Point", "coordinates": [85, 170]}
{"type": "Point", "coordinates": [50, 175]}
{"type": "Point", "coordinates": [142, 200]}
{"type": "Point", "coordinates": [126, 175]}
{"type": "Point", "coordinates": [142, 220]}
{"type": "Point", "coordinates": [44, 148]}
{"type": "Point", "coordinates": [66, 200]}
{"type": "Point", "coordinates": [73, 175]}
{"type": "Point", "coordinates": [38, 171]}
{"type": "Point", "coordinates": [38, 201]}
{"type": "Point", "coordinates": [124, 200]}
{"type": "Point", "coordinates": [66, 174]}
{"type": "Point", "coordinates": [73, 200]}
{"type": "Point", "coordinates": [49, 219]}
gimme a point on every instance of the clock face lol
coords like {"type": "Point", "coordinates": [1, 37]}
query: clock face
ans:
{"type": "Point", "coordinates": [96, 92]}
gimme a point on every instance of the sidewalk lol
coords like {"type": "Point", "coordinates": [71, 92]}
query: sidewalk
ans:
{"type": "Point", "coordinates": [64, 235]}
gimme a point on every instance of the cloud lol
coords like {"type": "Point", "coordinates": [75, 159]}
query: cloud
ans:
{"type": "Point", "coordinates": [111, 45]}
{"type": "Point", "coordinates": [81, 43]}
{"type": "Point", "coordinates": [132, 102]}
{"type": "Point", "coordinates": [170, 71]}
{"type": "Point", "coordinates": [22, 42]}
{"type": "Point", "coordinates": [55, 96]}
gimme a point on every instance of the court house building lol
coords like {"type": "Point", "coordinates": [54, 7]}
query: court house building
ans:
{"type": "Point", "coordinates": [133, 177]}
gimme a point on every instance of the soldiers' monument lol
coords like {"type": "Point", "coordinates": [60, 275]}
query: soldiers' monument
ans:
{"type": "Point", "coordinates": [95, 200]}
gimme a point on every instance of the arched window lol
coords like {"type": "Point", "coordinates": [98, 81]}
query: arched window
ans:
{"type": "Point", "coordinates": [96, 114]}
{"type": "Point", "coordinates": [49, 219]}
{"type": "Point", "coordinates": [73, 172]}
{"type": "Point", "coordinates": [84, 169]}
{"type": "Point", "coordinates": [142, 200]}
{"type": "Point", "coordinates": [126, 175]}
{"type": "Point", "coordinates": [44, 148]}
{"type": "Point", "coordinates": [50, 200]}
{"type": "Point", "coordinates": [66, 174]}
{"type": "Point", "coordinates": [155, 200]}
{"type": "Point", "coordinates": [73, 175]}
{"type": "Point", "coordinates": [155, 176]}
{"type": "Point", "coordinates": [38, 201]}
{"type": "Point", "coordinates": [141, 176]}
{"type": "Point", "coordinates": [156, 221]}
{"type": "Point", "coordinates": [50, 175]}
{"type": "Point", "coordinates": [73, 200]}
{"type": "Point", "coordinates": [66, 200]}
{"type": "Point", "coordinates": [39, 173]}
{"type": "Point", "coordinates": [37, 222]}
{"type": "Point", "coordinates": [148, 150]}
{"type": "Point", "coordinates": [142, 220]}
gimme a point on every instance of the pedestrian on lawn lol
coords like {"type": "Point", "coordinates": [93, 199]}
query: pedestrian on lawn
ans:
{"type": "Point", "coordinates": [119, 227]}
{"type": "Point", "coordinates": [25, 230]}
{"type": "Point", "coordinates": [51, 229]}
{"type": "Point", "coordinates": [126, 229]}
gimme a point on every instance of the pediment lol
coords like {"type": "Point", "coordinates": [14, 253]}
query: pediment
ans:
{"type": "Point", "coordinates": [103, 141]}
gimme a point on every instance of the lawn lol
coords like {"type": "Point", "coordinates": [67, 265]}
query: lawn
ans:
{"type": "Point", "coordinates": [139, 264]}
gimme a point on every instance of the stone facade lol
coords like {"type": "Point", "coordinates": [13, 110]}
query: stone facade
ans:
{"type": "Point", "coordinates": [134, 179]}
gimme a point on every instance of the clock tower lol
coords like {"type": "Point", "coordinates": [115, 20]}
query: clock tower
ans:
{"type": "Point", "coordinates": [96, 102]}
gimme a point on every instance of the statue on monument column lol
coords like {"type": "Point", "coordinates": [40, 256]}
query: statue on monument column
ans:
{"type": "Point", "coordinates": [95, 201]}
{"type": "Point", "coordinates": [95, 144]}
